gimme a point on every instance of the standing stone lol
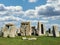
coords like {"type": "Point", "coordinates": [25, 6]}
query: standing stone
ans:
{"type": "Point", "coordinates": [55, 31]}
{"type": "Point", "coordinates": [34, 31]}
{"type": "Point", "coordinates": [9, 30]}
{"type": "Point", "coordinates": [25, 29]}
{"type": "Point", "coordinates": [1, 34]}
{"type": "Point", "coordinates": [49, 32]}
{"type": "Point", "coordinates": [18, 32]}
{"type": "Point", "coordinates": [12, 31]}
{"type": "Point", "coordinates": [41, 29]}
{"type": "Point", "coordinates": [5, 31]}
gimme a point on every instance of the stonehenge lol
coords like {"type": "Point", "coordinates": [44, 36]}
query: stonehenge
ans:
{"type": "Point", "coordinates": [10, 30]}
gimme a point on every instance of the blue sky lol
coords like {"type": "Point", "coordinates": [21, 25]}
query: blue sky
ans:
{"type": "Point", "coordinates": [24, 3]}
{"type": "Point", "coordinates": [16, 11]}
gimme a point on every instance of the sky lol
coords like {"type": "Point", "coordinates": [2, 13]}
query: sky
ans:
{"type": "Point", "coordinates": [16, 11]}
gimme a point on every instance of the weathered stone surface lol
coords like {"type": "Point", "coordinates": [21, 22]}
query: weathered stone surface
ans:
{"type": "Point", "coordinates": [18, 32]}
{"type": "Point", "coordinates": [12, 32]}
{"type": "Point", "coordinates": [5, 31]}
{"type": "Point", "coordinates": [9, 30]}
{"type": "Point", "coordinates": [25, 29]}
{"type": "Point", "coordinates": [49, 32]}
{"type": "Point", "coordinates": [55, 31]}
{"type": "Point", "coordinates": [34, 31]}
{"type": "Point", "coordinates": [41, 29]}
{"type": "Point", "coordinates": [1, 34]}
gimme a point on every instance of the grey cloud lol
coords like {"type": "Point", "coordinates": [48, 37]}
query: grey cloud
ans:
{"type": "Point", "coordinates": [49, 11]}
{"type": "Point", "coordinates": [2, 7]}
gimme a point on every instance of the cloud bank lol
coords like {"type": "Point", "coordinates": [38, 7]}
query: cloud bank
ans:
{"type": "Point", "coordinates": [51, 10]}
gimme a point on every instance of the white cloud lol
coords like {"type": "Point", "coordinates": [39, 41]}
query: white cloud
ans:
{"type": "Point", "coordinates": [50, 25]}
{"type": "Point", "coordinates": [10, 18]}
{"type": "Point", "coordinates": [3, 12]}
{"type": "Point", "coordinates": [32, 1]}
{"type": "Point", "coordinates": [44, 10]}
{"type": "Point", "coordinates": [51, 18]}
{"type": "Point", "coordinates": [35, 21]}
{"type": "Point", "coordinates": [50, 1]}
{"type": "Point", "coordinates": [55, 3]}
{"type": "Point", "coordinates": [14, 8]}
{"type": "Point", "coordinates": [44, 21]}
{"type": "Point", "coordinates": [51, 10]}
{"type": "Point", "coordinates": [58, 25]}
{"type": "Point", "coordinates": [2, 7]}
{"type": "Point", "coordinates": [10, 10]}
{"type": "Point", "coordinates": [31, 13]}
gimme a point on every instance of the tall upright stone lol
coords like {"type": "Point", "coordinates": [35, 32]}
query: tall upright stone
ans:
{"type": "Point", "coordinates": [49, 32]}
{"type": "Point", "coordinates": [55, 31]}
{"type": "Point", "coordinates": [1, 33]}
{"type": "Point", "coordinates": [18, 32]}
{"type": "Point", "coordinates": [34, 31]}
{"type": "Point", "coordinates": [9, 30]}
{"type": "Point", "coordinates": [5, 31]}
{"type": "Point", "coordinates": [12, 32]}
{"type": "Point", "coordinates": [25, 29]}
{"type": "Point", "coordinates": [41, 29]}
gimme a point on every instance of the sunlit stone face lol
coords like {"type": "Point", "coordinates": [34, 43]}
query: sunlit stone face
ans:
{"type": "Point", "coordinates": [25, 29]}
{"type": "Point", "coordinates": [55, 31]}
{"type": "Point", "coordinates": [9, 30]}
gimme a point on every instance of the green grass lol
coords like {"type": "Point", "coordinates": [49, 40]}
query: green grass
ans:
{"type": "Point", "coordinates": [39, 41]}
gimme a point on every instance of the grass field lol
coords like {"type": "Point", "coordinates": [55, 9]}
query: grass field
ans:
{"type": "Point", "coordinates": [39, 41]}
